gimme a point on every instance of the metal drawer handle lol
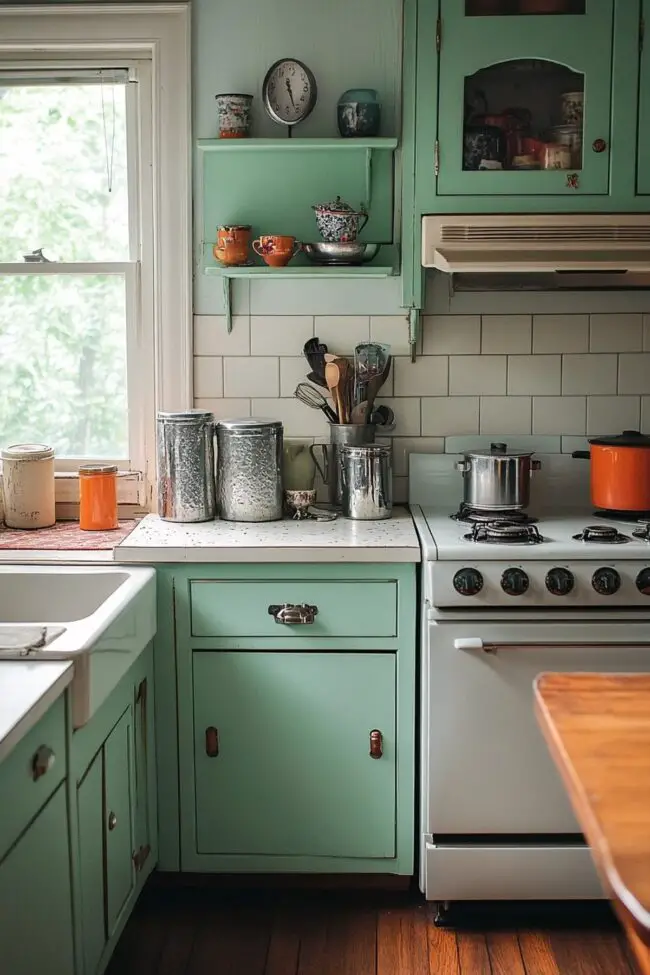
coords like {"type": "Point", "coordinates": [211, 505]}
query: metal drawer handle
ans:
{"type": "Point", "coordinates": [376, 744]}
{"type": "Point", "coordinates": [211, 742]}
{"type": "Point", "coordinates": [112, 821]}
{"type": "Point", "coordinates": [42, 762]}
{"type": "Point", "coordinates": [293, 614]}
{"type": "Point", "coordinates": [475, 643]}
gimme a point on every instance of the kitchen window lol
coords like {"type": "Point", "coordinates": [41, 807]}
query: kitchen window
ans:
{"type": "Point", "coordinates": [94, 254]}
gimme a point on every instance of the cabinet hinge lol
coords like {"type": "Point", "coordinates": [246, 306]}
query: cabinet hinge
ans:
{"type": "Point", "coordinates": [641, 33]}
{"type": "Point", "coordinates": [438, 34]}
{"type": "Point", "coordinates": [436, 158]}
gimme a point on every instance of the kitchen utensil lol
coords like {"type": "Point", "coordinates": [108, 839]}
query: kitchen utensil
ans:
{"type": "Point", "coordinates": [232, 244]}
{"type": "Point", "coordinates": [338, 221]}
{"type": "Point", "coordinates": [326, 456]}
{"type": "Point", "coordinates": [297, 503]}
{"type": "Point", "coordinates": [382, 416]}
{"type": "Point", "coordinates": [276, 250]}
{"type": "Point", "coordinates": [28, 485]}
{"type": "Point", "coordinates": [345, 385]}
{"type": "Point", "coordinates": [249, 469]}
{"type": "Point", "coordinates": [359, 412]}
{"type": "Point", "coordinates": [333, 377]}
{"type": "Point", "coordinates": [338, 253]}
{"type": "Point", "coordinates": [234, 116]}
{"type": "Point", "coordinates": [370, 360]}
{"type": "Point", "coordinates": [497, 479]}
{"type": "Point", "coordinates": [98, 497]}
{"type": "Point", "coordinates": [318, 380]}
{"type": "Point", "coordinates": [314, 352]}
{"type": "Point", "coordinates": [358, 113]}
{"type": "Point", "coordinates": [298, 468]}
{"type": "Point", "coordinates": [367, 482]}
{"type": "Point", "coordinates": [620, 471]}
{"type": "Point", "coordinates": [186, 488]}
{"type": "Point", "coordinates": [310, 396]}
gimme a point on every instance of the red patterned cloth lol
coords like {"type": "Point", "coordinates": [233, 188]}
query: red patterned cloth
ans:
{"type": "Point", "coordinates": [65, 535]}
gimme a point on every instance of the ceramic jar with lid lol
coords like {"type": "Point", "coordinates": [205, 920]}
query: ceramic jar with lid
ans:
{"type": "Point", "coordinates": [338, 221]}
{"type": "Point", "coordinates": [28, 483]}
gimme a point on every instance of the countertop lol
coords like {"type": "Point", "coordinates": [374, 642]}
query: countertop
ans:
{"type": "Point", "coordinates": [598, 730]}
{"type": "Point", "coordinates": [27, 690]}
{"type": "Point", "coordinates": [343, 540]}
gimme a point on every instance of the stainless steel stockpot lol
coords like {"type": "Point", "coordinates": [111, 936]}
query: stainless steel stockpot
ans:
{"type": "Point", "coordinates": [497, 479]}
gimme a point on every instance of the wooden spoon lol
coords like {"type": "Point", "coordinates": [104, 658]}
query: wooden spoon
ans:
{"type": "Point", "coordinates": [346, 382]}
{"type": "Point", "coordinates": [332, 378]}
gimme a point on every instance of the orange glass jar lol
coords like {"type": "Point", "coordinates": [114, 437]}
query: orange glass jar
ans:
{"type": "Point", "coordinates": [98, 497]}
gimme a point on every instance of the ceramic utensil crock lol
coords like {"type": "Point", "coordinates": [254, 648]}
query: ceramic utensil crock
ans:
{"type": "Point", "coordinates": [620, 471]}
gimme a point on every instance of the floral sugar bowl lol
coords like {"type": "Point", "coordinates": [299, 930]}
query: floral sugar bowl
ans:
{"type": "Point", "coordinates": [337, 221]}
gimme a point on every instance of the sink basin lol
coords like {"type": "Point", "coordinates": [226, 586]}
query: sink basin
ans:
{"type": "Point", "coordinates": [101, 618]}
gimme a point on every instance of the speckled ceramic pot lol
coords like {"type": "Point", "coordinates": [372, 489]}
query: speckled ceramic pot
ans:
{"type": "Point", "coordinates": [338, 221]}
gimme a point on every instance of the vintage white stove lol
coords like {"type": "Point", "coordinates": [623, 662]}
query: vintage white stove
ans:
{"type": "Point", "coordinates": [559, 589]}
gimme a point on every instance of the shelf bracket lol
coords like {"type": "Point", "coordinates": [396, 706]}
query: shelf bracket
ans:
{"type": "Point", "coordinates": [227, 301]}
{"type": "Point", "coordinates": [414, 327]}
{"type": "Point", "coordinates": [368, 178]}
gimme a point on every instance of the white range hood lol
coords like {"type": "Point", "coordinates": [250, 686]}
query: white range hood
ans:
{"type": "Point", "coordinates": [533, 243]}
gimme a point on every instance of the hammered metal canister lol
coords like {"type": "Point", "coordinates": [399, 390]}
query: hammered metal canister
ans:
{"type": "Point", "coordinates": [186, 489]}
{"type": "Point", "coordinates": [249, 469]}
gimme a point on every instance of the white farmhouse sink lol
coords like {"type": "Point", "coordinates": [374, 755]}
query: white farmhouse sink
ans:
{"type": "Point", "coordinates": [101, 618]}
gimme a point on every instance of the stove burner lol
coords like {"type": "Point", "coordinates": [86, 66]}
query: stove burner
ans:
{"type": "Point", "coordinates": [630, 516]}
{"type": "Point", "coordinates": [471, 516]}
{"type": "Point", "coordinates": [643, 531]}
{"type": "Point", "coordinates": [605, 534]}
{"type": "Point", "coordinates": [504, 533]}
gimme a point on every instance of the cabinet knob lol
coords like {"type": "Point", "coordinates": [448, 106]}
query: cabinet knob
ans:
{"type": "Point", "coordinates": [376, 744]}
{"type": "Point", "coordinates": [293, 614]}
{"type": "Point", "coordinates": [42, 761]}
{"type": "Point", "coordinates": [599, 145]}
{"type": "Point", "coordinates": [211, 742]}
{"type": "Point", "coordinates": [112, 821]}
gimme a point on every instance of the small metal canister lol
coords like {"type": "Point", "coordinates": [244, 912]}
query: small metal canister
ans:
{"type": "Point", "coordinates": [249, 469]}
{"type": "Point", "coordinates": [367, 482]}
{"type": "Point", "coordinates": [186, 489]}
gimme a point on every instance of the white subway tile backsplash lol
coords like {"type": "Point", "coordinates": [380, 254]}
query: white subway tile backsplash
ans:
{"type": "Point", "coordinates": [560, 414]}
{"type": "Point", "coordinates": [211, 336]}
{"type": "Point", "coordinates": [407, 415]}
{"type": "Point", "coordinates": [646, 333]}
{"type": "Point", "coordinates": [392, 330]}
{"type": "Point", "coordinates": [505, 414]}
{"type": "Point", "coordinates": [534, 375]}
{"type": "Point", "coordinates": [280, 334]}
{"type": "Point", "coordinates": [403, 446]}
{"type": "Point", "coordinates": [341, 333]}
{"type": "Point", "coordinates": [293, 370]}
{"type": "Point", "coordinates": [611, 414]}
{"type": "Point", "coordinates": [251, 376]}
{"type": "Point", "coordinates": [590, 373]}
{"type": "Point", "coordinates": [298, 420]}
{"type": "Point", "coordinates": [645, 414]}
{"type": "Point", "coordinates": [506, 334]}
{"type": "Point", "coordinates": [444, 416]}
{"type": "Point", "coordinates": [451, 334]}
{"type": "Point", "coordinates": [428, 376]}
{"type": "Point", "coordinates": [225, 409]}
{"type": "Point", "coordinates": [616, 333]}
{"type": "Point", "coordinates": [208, 376]}
{"type": "Point", "coordinates": [634, 373]}
{"type": "Point", "coordinates": [569, 444]}
{"type": "Point", "coordinates": [477, 374]}
{"type": "Point", "coordinates": [400, 490]}
{"type": "Point", "coordinates": [560, 333]}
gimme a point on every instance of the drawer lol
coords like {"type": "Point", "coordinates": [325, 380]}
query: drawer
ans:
{"type": "Point", "coordinates": [21, 796]}
{"type": "Point", "coordinates": [346, 608]}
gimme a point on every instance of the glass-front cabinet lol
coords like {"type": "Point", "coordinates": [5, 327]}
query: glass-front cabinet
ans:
{"type": "Point", "coordinates": [524, 97]}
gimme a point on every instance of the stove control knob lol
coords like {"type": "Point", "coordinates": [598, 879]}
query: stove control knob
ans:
{"type": "Point", "coordinates": [559, 581]}
{"type": "Point", "coordinates": [468, 582]}
{"type": "Point", "coordinates": [514, 582]}
{"type": "Point", "coordinates": [643, 582]}
{"type": "Point", "coordinates": [606, 581]}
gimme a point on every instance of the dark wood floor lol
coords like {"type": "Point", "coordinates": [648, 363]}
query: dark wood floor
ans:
{"type": "Point", "coordinates": [200, 932]}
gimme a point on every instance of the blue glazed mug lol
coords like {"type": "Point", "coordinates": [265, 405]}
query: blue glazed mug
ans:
{"type": "Point", "coordinates": [358, 113]}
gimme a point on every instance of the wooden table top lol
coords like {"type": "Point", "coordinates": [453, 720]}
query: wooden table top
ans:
{"type": "Point", "coordinates": [598, 729]}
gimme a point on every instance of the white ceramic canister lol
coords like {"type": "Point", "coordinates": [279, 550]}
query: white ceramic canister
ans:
{"type": "Point", "coordinates": [28, 483]}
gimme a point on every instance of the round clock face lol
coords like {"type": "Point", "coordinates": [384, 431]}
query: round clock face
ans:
{"type": "Point", "coordinates": [289, 91]}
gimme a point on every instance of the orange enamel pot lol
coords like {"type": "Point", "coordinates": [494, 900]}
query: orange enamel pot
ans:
{"type": "Point", "coordinates": [620, 472]}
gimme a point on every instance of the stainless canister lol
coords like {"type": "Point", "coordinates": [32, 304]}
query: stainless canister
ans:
{"type": "Point", "coordinates": [327, 458]}
{"type": "Point", "coordinates": [367, 482]}
{"type": "Point", "coordinates": [186, 490]}
{"type": "Point", "coordinates": [249, 469]}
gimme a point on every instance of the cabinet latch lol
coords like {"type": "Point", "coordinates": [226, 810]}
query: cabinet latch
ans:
{"type": "Point", "coordinates": [436, 158]}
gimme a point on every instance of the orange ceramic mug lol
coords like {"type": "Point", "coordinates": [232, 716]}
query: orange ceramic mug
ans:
{"type": "Point", "coordinates": [276, 250]}
{"type": "Point", "coordinates": [232, 244]}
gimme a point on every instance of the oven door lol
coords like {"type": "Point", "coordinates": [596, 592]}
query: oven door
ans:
{"type": "Point", "coordinates": [486, 767]}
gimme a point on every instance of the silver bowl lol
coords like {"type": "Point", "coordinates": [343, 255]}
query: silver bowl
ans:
{"type": "Point", "coordinates": [330, 252]}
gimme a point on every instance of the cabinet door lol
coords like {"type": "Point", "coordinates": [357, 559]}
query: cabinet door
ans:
{"type": "Point", "coordinates": [36, 897]}
{"type": "Point", "coordinates": [90, 817]}
{"type": "Point", "coordinates": [643, 158]}
{"type": "Point", "coordinates": [143, 756]}
{"type": "Point", "coordinates": [515, 86]}
{"type": "Point", "coordinates": [118, 824]}
{"type": "Point", "coordinates": [282, 753]}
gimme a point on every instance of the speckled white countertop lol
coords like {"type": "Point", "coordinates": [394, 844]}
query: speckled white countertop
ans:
{"type": "Point", "coordinates": [154, 540]}
{"type": "Point", "coordinates": [27, 689]}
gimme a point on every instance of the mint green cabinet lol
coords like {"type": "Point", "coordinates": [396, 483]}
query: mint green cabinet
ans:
{"type": "Point", "coordinates": [36, 896]}
{"type": "Point", "coordinates": [90, 820]}
{"type": "Point", "coordinates": [643, 155]}
{"type": "Point", "coordinates": [118, 813]}
{"type": "Point", "coordinates": [294, 754]}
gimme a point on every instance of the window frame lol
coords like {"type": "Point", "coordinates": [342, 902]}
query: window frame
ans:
{"type": "Point", "coordinates": [154, 39]}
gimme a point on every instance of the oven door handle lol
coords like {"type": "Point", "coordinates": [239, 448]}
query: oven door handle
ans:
{"type": "Point", "coordinates": [476, 643]}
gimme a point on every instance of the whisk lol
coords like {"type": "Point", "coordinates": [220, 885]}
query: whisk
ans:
{"type": "Point", "coordinates": [311, 397]}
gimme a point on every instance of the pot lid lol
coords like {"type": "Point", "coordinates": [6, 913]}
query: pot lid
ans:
{"type": "Point", "coordinates": [249, 425]}
{"type": "Point", "coordinates": [629, 438]}
{"type": "Point", "coordinates": [27, 451]}
{"type": "Point", "coordinates": [185, 416]}
{"type": "Point", "coordinates": [499, 450]}
{"type": "Point", "coordinates": [337, 206]}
